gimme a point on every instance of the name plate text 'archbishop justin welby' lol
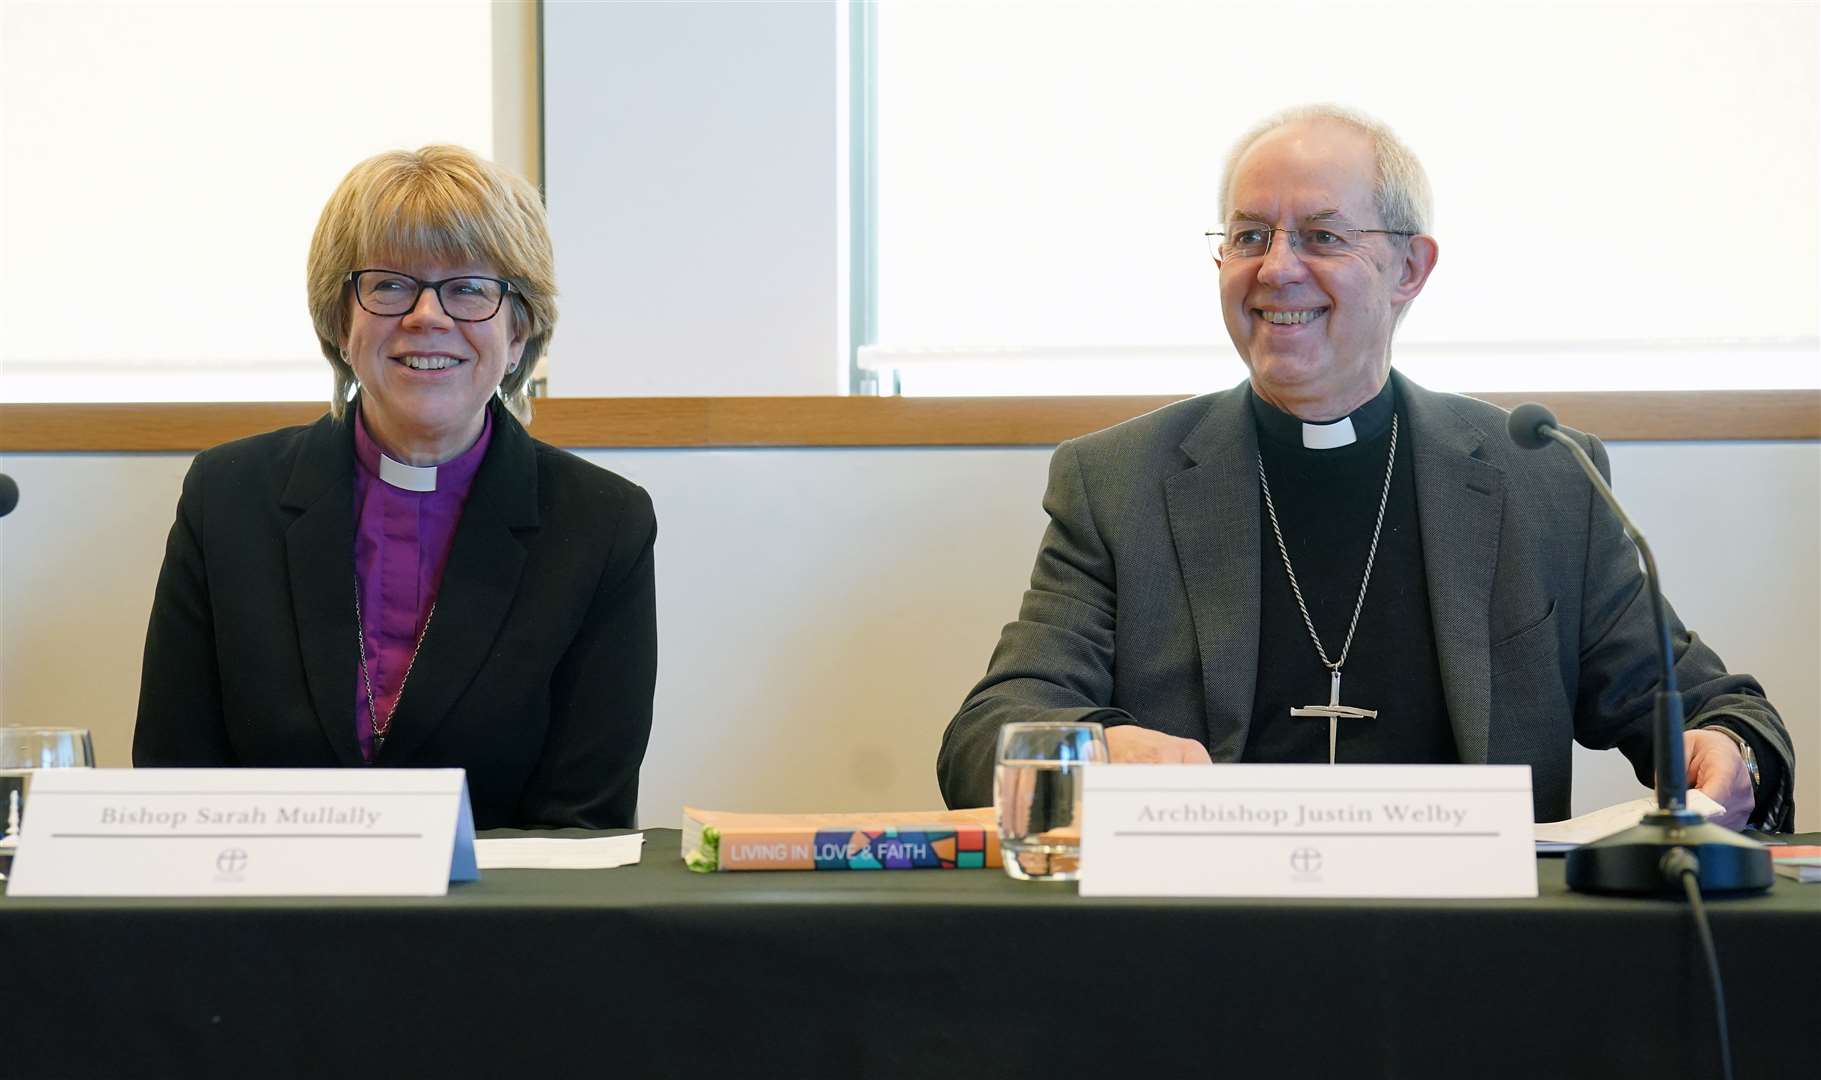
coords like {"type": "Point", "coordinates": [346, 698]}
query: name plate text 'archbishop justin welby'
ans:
{"type": "Point", "coordinates": [1308, 830]}
{"type": "Point", "coordinates": [245, 832]}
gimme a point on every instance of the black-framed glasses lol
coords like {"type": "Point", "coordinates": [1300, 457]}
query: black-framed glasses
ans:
{"type": "Point", "coordinates": [1250, 240]}
{"type": "Point", "coordinates": [464, 299]}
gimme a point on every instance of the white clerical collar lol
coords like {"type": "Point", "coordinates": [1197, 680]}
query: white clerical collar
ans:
{"type": "Point", "coordinates": [407, 477]}
{"type": "Point", "coordinates": [1286, 430]}
{"type": "Point", "coordinates": [1329, 436]}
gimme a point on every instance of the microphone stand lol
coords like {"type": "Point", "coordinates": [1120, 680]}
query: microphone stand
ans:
{"type": "Point", "coordinates": [1650, 857]}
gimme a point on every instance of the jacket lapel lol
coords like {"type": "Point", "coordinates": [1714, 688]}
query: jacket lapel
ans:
{"type": "Point", "coordinates": [1214, 522]}
{"type": "Point", "coordinates": [319, 552]}
{"type": "Point", "coordinates": [1460, 503]}
{"type": "Point", "coordinates": [479, 583]}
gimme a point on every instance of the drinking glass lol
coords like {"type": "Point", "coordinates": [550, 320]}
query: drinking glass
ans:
{"type": "Point", "coordinates": [1037, 793]}
{"type": "Point", "coordinates": [23, 751]}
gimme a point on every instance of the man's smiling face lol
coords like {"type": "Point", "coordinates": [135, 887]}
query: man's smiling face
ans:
{"type": "Point", "coordinates": [1315, 331]}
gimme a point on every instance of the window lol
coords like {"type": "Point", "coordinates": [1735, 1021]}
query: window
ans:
{"type": "Point", "coordinates": [148, 148]}
{"type": "Point", "coordinates": [1625, 197]}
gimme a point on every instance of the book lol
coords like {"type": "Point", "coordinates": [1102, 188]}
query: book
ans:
{"type": "Point", "coordinates": [1799, 861]}
{"type": "Point", "coordinates": [715, 840]}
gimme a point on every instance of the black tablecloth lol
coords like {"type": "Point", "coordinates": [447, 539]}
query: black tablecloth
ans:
{"type": "Point", "coordinates": [655, 971]}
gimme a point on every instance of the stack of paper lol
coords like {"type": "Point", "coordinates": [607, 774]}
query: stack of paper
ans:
{"type": "Point", "coordinates": [554, 853]}
{"type": "Point", "coordinates": [1554, 836]}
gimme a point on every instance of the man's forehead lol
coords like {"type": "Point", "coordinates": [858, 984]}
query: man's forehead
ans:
{"type": "Point", "coordinates": [1247, 213]}
{"type": "Point", "coordinates": [1312, 170]}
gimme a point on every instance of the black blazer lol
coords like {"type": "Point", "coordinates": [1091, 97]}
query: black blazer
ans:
{"type": "Point", "coordinates": [536, 674]}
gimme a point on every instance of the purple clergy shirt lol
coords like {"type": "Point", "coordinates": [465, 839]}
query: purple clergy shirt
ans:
{"type": "Point", "coordinates": [401, 546]}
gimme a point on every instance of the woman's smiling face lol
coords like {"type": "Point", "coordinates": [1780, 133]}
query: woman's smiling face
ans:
{"type": "Point", "coordinates": [425, 378]}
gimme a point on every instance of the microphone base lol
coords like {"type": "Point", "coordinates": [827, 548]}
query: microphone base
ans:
{"type": "Point", "coordinates": [1630, 863]}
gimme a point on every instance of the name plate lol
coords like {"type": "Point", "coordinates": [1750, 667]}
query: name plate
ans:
{"type": "Point", "coordinates": [1308, 830]}
{"type": "Point", "coordinates": [245, 832]}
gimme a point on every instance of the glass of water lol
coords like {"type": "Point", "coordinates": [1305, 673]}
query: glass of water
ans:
{"type": "Point", "coordinates": [1037, 793]}
{"type": "Point", "coordinates": [23, 751]}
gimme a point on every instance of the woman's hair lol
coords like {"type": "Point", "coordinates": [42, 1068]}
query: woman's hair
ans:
{"type": "Point", "coordinates": [440, 204]}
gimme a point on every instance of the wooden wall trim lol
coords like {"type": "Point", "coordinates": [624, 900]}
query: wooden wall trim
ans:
{"type": "Point", "coordinates": [721, 422]}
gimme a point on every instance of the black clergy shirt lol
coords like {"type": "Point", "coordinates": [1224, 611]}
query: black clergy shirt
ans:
{"type": "Point", "coordinates": [1327, 502]}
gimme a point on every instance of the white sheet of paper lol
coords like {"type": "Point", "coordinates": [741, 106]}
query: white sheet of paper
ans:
{"type": "Point", "coordinates": [243, 832]}
{"type": "Point", "coordinates": [557, 853]}
{"type": "Point", "coordinates": [1307, 830]}
{"type": "Point", "coordinates": [1562, 835]}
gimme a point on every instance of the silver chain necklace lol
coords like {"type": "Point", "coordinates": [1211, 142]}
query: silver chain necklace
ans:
{"type": "Point", "coordinates": [1333, 710]}
{"type": "Point", "coordinates": [360, 633]}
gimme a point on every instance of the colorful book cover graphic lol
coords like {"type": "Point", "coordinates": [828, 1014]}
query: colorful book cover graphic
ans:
{"type": "Point", "coordinates": [912, 840]}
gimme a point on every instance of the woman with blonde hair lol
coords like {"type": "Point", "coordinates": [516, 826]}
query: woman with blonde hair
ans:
{"type": "Point", "coordinates": [413, 580]}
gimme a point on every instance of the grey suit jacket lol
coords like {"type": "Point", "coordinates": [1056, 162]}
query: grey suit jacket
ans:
{"type": "Point", "coordinates": [1145, 599]}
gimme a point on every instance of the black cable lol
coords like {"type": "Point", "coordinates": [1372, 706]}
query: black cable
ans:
{"type": "Point", "coordinates": [1680, 864]}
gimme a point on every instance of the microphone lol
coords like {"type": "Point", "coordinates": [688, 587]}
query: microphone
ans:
{"type": "Point", "coordinates": [1643, 859]}
{"type": "Point", "coordinates": [9, 494]}
{"type": "Point", "coordinates": [1528, 423]}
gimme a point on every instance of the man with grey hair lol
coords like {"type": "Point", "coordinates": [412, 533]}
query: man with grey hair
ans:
{"type": "Point", "coordinates": [1330, 563]}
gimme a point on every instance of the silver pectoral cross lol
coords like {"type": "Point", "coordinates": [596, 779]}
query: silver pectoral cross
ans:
{"type": "Point", "coordinates": [1334, 711]}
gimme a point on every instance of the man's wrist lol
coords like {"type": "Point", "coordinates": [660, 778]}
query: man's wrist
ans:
{"type": "Point", "coordinates": [1746, 753]}
{"type": "Point", "coordinates": [1109, 718]}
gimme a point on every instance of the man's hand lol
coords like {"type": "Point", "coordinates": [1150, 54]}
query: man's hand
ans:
{"type": "Point", "coordinates": [1714, 766]}
{"type": "Point", "coordinates": [1130, 744]}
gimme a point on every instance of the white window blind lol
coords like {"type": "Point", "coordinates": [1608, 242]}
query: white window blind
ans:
{"type": "Point", "coordinates": [164, 165]}
{"type": "Point", "coordinates": [1625, 194]}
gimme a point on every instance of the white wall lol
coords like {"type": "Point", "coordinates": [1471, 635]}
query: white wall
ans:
{"type": "Point", "coordinates": [691, 166]}
{"type": "Point", "coordinates": [822, 612]}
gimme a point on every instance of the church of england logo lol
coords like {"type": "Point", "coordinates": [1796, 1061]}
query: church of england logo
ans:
{"type": "Point", "coordinates": [1306, 862]}
{"type": "Point", "coordinates": [229, 864]}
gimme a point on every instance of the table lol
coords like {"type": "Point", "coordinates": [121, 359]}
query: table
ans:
{"type": "Point", "coordinates": [655, 971]}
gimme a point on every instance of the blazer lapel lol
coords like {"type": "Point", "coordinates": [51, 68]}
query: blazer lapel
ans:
{"type": "Point", "coordinates": [319, 551]}
{"type": "Point", "coordinates": [1460, 504]}
{"type": "Point", "coordinates": [1214, 522]}
{"type": "Point", "coordinates": [479, 584]}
